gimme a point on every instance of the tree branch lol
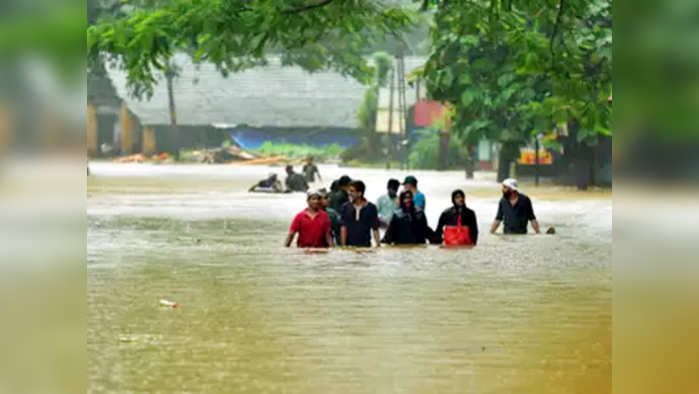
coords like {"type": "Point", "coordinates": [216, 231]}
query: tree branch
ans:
{"type": "Point", "coordinates": [561, 7]}
{"type": "Point", "coordinates": [308, 7]}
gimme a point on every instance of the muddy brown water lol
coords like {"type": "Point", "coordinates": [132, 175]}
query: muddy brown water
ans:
{"type": "Point", "coordinates": [516, 314]}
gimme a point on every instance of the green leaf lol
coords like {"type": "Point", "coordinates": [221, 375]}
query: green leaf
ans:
{"type": "Point", "coordinates": [467, 97]}
{"type": "Point", "coordinates": [505, 79]}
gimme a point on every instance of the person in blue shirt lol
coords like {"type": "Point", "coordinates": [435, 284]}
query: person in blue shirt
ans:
{"type": "Point", "coordinates": [410, 183]}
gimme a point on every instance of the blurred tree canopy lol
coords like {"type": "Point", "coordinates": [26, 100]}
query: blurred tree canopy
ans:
{"type": "Point", "coordinates": [516, 68]}
{"type": "Point", "coordinates": [237, 34]}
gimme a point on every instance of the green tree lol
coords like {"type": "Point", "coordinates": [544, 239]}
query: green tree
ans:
{"type": "Point", "coordinates": [237, 34]}
{"type": "Point", "coordinates": [516, 68]}
{"type": "Point", "coordinates": [370, 145]}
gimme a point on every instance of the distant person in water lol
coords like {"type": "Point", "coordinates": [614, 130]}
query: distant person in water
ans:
{"type": "Point", "coordinates": [408, 224]}
{"type": "Point", "coordinates": [359, 219]}
{"type": "Point", "coordinates": [271, 183]}
{"type": "Point", "coordinates": [457, 215]}
{"type": "Point", "coordinates": [340, 196]}
{"type": "Point", "coordinates": [515, 209]}
{"type": "Point", "coordinates": [387, 203]}
{"type": "Point", "coordinates": [310, 170]}
{"type": "Point", "coordinates": [295, 181]}
{"type": "Point", "coordinates": [410, 183]}
{"type": "Point", "coordinates": [312, 225]}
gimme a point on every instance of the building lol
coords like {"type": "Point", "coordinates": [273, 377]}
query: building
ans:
{"type": "Point", "coordinates": [273, 102]}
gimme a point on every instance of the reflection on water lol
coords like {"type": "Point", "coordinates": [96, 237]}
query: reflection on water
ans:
{"type": "Point", "coordinates": [527, 314]}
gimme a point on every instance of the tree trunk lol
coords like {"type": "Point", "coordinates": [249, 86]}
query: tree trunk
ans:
{"type": "Point", "coordinates": [470, 163]}
{"type": "Point", "coordinates": [508, 153]}
{"type": "Point", "coordinates": [173, 116]}
{"type": "Point", "coordinates": [443, 150]}
{"type": "Point", "coordinates": [579, 152]}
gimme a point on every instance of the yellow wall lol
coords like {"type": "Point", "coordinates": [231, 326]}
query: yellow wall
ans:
{"type": "Point", "coordinates": [128, 130]}
{"type": "Point", "coordinates": [149, 141]}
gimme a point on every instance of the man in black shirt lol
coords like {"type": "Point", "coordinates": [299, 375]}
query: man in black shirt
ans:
{"type": "Point", "coordinates": [515, 209]}
{"type": "Point", "coordinates": [338, 196]}
{"type": "Point", "coordinates": [450, 217]}
{"type": "Point", "coordinates": [359, 218]}
{"type": "Point", "coordinates": [295, 181]}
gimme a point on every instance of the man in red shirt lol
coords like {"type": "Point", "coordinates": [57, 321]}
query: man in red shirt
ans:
{"type": "Point", "coordinates": [312, 224]}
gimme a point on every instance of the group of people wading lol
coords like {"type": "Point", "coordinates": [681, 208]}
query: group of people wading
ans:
{"type": "Point", "coordinates": [344, 217]}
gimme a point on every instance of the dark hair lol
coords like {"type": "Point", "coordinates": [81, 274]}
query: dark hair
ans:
{"type": "Point", "coordinates": [358, 186]}
{"type": "Point", "coordinates": [455, 193]}
{"type": "Point", "coordinates": [335, 186]}
{"type": "Point", "coordinates": [393, 184]}
{"type": "Point", "coordinates": [289, 167]}
{"type": "Point", "coordinates": [344, 180]}
{"type": "Point", "coordinates": [402, 196]}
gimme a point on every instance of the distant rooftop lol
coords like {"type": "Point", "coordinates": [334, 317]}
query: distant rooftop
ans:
{"type": "Point", "coordinates": [272, 96]}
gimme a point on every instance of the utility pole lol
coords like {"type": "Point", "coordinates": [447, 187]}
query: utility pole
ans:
{"type": "Point", "coordinates": [402, 107]}
{"type": "Point", "coordinates": [536, 160]}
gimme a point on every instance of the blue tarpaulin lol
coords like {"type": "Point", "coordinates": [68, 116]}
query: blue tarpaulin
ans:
{"type": "Point", "coordinates": [249, 138]}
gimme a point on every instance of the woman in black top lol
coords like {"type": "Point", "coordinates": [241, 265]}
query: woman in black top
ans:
{"type": "Point", "coordinates": [450, 217]}
{"type": "Point", "coordinates": [408, 225]}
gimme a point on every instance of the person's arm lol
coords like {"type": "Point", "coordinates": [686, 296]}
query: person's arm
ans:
{"type": "Point", "coordinates": [473, 228]}
{"type": "Point", "coordinates": [494, 227]}
{"type": "Point", "coordinates": [289, 238]}
{"type": "Point", "coordinates": [426, 229]}
{"type": "Point", "coordinates": [320, 178]}
{"type": "Point", "coordinates": [328, 232]}
{"type": "Point", "coordinates": [343, 235]}
{"type": "Point", "coordinates": [375, 224]}
{"type": "Point", "coordinates": [532, 218]}
{"type": "Point", "coordinates": [440, 228]}
{"type": "Point", "coordinates": [498, 219]}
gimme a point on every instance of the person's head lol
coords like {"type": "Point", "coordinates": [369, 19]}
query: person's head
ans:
{"type": "Point", "coordinates": [324, 200]}
{"type": "Point", "coordinates": [314, 199]}
{"type": "Point", "coordinates": [405, 201]}
{"type": "Point", "coordinates": [272, 176]}
{"type": "Point", "coordinates": [344, 182]}
{"type": "Point", "coordinates": [458, 198]}
{"type": "Point", "coordinates": [356, 190]}
{"type": "Point", "coordinates": [410, 183]}
{"type": "Point", "coordinates": [335, 186]}
{"type": "Point", "coordinates": [392, 187]}
{"type": "Point", "coordinates": [509, 187]}
{"type": "Point", "coordinates": [309, 159]}
{"type": "Point", "coordinates": [289, 169]}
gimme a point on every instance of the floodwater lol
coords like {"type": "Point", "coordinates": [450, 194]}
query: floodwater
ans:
{"type": "Point", "coordinates": [516, 314]}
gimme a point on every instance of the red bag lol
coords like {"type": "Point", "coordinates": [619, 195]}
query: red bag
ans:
{"type": "Point", "coordinates": [457, 235]}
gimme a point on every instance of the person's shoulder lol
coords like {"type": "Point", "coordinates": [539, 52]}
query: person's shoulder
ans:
{"type": "Point", "coordinates": [448, 210]}
{"type": "Point", "coordinates": [524, 197]}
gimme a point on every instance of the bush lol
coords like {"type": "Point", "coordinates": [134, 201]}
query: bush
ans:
{"type": "Point", "coordinates": [424, 153]}
{"type": "Point", "coordinates": [293, 151]}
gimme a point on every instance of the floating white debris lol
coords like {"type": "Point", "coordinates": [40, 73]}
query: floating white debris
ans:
{"type": "Point", "coordinates": [169, 304]}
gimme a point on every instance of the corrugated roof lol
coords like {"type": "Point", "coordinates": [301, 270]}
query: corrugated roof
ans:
{"type": "Point", "coordinates": [264, 96]}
